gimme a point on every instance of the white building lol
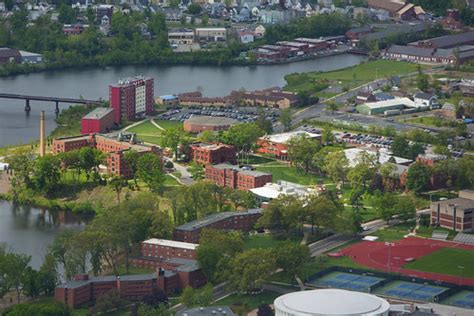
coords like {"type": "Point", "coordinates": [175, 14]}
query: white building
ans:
{"type": "Point", "coordinates": [272, 191]}
{"type": "Point", "coordinates": [381, 156]}
{"type": "Point", "coordinates": [330, 302]}
{"type": "Point", "coordinates": [425, 100]}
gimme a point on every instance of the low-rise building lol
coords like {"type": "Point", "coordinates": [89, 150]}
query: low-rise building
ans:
{"type": "Point", "coordinates": [231, 176]}
{"type": "Point", "coordinates": [163, 248]}
{"type": "Point", "coordinates": [380, 155]}
{"type": "Point", "coordinates": [273, 97]}
{"type": "Point", "coordinates": [380, 107]}
{"type": "Point", "coordinates": [447, 41]}
{"type": "Point", "coordinates": [211, 34]}
{"type": "Point", "coordinates": [9, 55]}
{"type": "Point", "coordinates": [318, 44]}
{"type": "Point", "coordinates": [456, 214]}
{"type": "Point", "coordinates": [356, 33]}
{"type": "Point", "coordinates": [167, 100]}
{"type": "Point", "coordinates": [191, 232]}
{"type": "Point", "coordinates": [181, 36]}
{"type": "Point", "coordinates": [277, 144]}
{"type": "Point", "coordinates": [272, 191]}
{"type": "Point", "coordinates": [30, 58]}
{"type": "Point", "coordinates": [100, 120]}
{"type": "Point", "coordinates": [430, 55]}
{"type": "Point", "coordinates": [365, 97]}
{"type": "Point", "coordinates": [210, 153]}
{"type": "Point", "coordinates": [197, 123]}
{"type": "Point", "coordinates": [448, 110]}
{"type": "Point", "coordinates": [425, 100]}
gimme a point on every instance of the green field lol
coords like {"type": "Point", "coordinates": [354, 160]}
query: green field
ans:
{"type": "Point", "coordinates": [393, 233]}
{"type": "Point", "coordinates": [145, 128]}
{"type": "Point", "coordinates": [432, 121]}
{"type": "Point", "coordinates": [353, 76]}
{"type": "Point", "coordinates": [168, 124]}
{"type": "Point", "coordinates": [265, 241]}
{"type": "Point", "coordinates": [446, 261]}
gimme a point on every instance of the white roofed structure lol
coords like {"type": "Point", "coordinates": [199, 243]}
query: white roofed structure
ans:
{"type": "Point", "coordinates": [171, 243]}
{"type": "Point", "coordinates": [353, 154]}
{"type": "Point", "coordinates": [283, 138]}
{"type": "Point", "coordinates": [272, 191]}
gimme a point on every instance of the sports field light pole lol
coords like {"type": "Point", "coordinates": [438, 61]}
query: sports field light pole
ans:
{"type": "Point", "coordinates": [389, 245]}
{"type": "Point", "coordinates": [461, 269]}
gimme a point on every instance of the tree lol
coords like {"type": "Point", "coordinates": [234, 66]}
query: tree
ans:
{"type": "Point", "coordinates": [336, 166]}
{"type": "Point", "coordinates": [162, 226]}
{"type": "Point", "coordinates": [332, 106]}
{"type": "Point", "coordinates": [405, 208]}
{"type": "Point", "coordinates": [172, 138]}
{"type": "Point", "coordinates": [196, 171]}
{"type": "Point", "coordinates": [118, 183]}
{"type": "Point", "coordinates": [205, 19]}
{"type": "Point", "coordinates": [207, 136]}
{"type": "Point", "coordinates": [418, 177]}
{"type": "Point", "coordinates": [285, 119]}
{"type": "Point", "coordinates": [67, 14]}
{"type": "Point", "coordinates": [90, 159]}
{"type": "Point", "coordinates": [384, 205]}
{"type": "Point", "coordinates": [194, 8]}
{"type": "Point", "coordinates": [327, 136]}
{"type": "Point", "coordinates": [284, 216]}
{"type": "Point", "coordinates": [465, 172]}
{"type": "Point", "coordinates": [149, 169]}
{"type": "Point", "coordinates": [364, 171]}
{"type": "Point", "coordinates": [301, 150]}
{"type": "Point", "coordinates": [215, 249]}
{"type": "Point", "coordinates": [387, 172]}
{"type": "Point", "coordinates": [15, 270]}
{"type": "Point", "coordinates": [249, 269]}
{"type": "Point", "coordinates": [263, 123]}
{"type": "Point", "coordinates": [291, 257]}
{"type": "Point", "coordinates": [31, 283]}
{"type": "Point", "coordinates": [399, 146]}
{"type": "Point", "coordinates": [46, 308]}
{"type": "Point", "coordinates": [422, 82]}
{"type": "Point", "coordinates": [321, 212]}
{"type": "Point", "coordinates": [243, 137]}
{"type": "Point", "coordinates": [131, 158]}
{"type": "Point", "coordinates": [197, 297]}
{"type": "Point", "coordinates": [46, 173]}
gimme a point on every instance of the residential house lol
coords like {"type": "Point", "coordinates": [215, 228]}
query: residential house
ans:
{"type": "Point", "coordinates": [448, 110]}
{"type": "Point", "coordinates": [181, 36]}
{"type": "Point", "coordinates": [9, 55]}
{"type": "Point", "coordinates": [425, 100]}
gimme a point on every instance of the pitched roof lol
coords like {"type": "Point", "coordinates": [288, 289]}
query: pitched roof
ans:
{"type": "Point", "coordinates": [390, 5]}
{"type": "Point", "coordinates": [424, 96]}
{"type": "Point", "coordinates": [448, 41]}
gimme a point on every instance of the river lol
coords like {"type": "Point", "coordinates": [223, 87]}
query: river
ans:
{"type": "Point", "coordinates": [30, 230]}
{"type": "Point", "coordinates": [92, 83]}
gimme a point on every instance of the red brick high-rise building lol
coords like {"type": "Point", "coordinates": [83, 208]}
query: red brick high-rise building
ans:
{"type": "Point", "coordinates": [132, 98]}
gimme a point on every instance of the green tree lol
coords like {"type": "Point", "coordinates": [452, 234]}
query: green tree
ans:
{"type": "Point", "coordinates": [405, 208]}
{"type": "Point", "coordinates": [243, 137]}
{"type": "Point", "coordinates": [215, 249]}
{"type": "Point", "coordinates": [285, 119]}
{"type": "Point", "coordinates": [291, 257]}
{"type": "Point", "coordinates": [15, 270]}
{"type": "Point", "coordinates": [197, 297]}
{"type": "Point", "coordinates": [194, 8]}
{"type": "Point", "coordinates": [47, 173]}
{"type": "Point", "coordinates": [384, 205]}
{"type": "Point", "coordinates": [337, 166]}
{"type": "Point", "coordinates": [67, 14]}
{"type": "Point", "coordinates": [205, 19]}
{"type": "Point", "coordinates": [418, 177]}
{"type": "Point", "coordinates": [90, 159]}
{"type": "Point", "coordinates": [149, 169]}
{"type": "Point", "coordinates": [465, 177]}
{"type": "Point", "coordinates": [364, 171]}
{"type": "Point", "coordinates": [422, 82]}
{"type": "Point", "coordinates": [131, 158]}
{"type": "Point", "coordinates": [327, 137]}
{"type": "Point", "coordinates": [301, 151]}
{"type": "Point", "coordinates": [117, 183]}
{"type": "Point", "coordinates": [249, 269]}
{"type": "Point", "coordinates": [331, 106]}
{"type": "Point", "coordinates": [172, 138]}
{"type": "Point", "coordinates": [196, 170]}
{"type": "Point", "coordinates": [263, 123]}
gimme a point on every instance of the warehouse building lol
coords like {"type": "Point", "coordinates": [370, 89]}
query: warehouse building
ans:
{"type": "Point", "coordinates": [329, 302]}
{"type": "Point", "coordinates": [378, 108]}
{"type": "Point", "coordinates": [100, 120]}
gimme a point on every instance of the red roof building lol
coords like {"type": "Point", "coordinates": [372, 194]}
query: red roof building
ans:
{"type": "Point", "coordinates": [100, 120]}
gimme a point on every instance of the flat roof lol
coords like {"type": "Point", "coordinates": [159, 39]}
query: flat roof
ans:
{"type": "Point", "coordinates": [168, 97]}
{"type": "Point", "coordinates": [461, 203]}
{"type": "Point", "coordinates": [98, 113]}
{"type": "Point", "coordinates": [331, 302]}
{"type": "Point", "coordinates": [310, 40]}
{"type": "Point", "coordinates": [210, 120]}
{"type": "Point", "coordinates": [353, 154]}
{"type": "Point", "coordinates": [207, 311]}
{"type": "Point", "coordinates": [391, 102]}
{"type": "Point", "coordinates": [213, 218]}
{"type": "Point", "coordinates": [171, 243]}
{"type": "Point", "coordinates": [285, 137]}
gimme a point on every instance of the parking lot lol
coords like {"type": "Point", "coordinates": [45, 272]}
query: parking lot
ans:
{"type": "Point", "coordinates": [243, 115]}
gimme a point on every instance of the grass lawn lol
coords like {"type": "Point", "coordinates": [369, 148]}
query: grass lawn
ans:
{"type": "Point", "coordinates": [393, 233]}
{"type": "Point", "coordinates": [358, 75]}
{"type": "Point", "coordinates": [150, 139]}
{"type": "Point", "coordinates": [265, 241]}
{"type": "Point", "coordinates": [168, 124]}
{"type": "Point", "coordinates": [368, 214]}
{"type": "Point", "coordinates": [427, 232]}
{"type": "Point", "coordinates": [246, 303]}
{"type": "Point", "coordinates": [133, 270]}
{"type": "Point", "coordinates": [257, 160]}
{"type": "Point", "coordinates": [145, 128]}
{"type": "Point", "coordinates": [282, 171]}
{"type": "Point", "coordinates": [170, 181]}
{"type": "Point", "coordinates": [431, 121]}
{"type": "Point", "coordinates": [446, 261]}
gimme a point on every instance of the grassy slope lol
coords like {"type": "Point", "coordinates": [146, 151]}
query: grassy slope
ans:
{"type": "Point", "coordinates": [446, 261]}
{"type": "Point", "coordinates": [281, 171]}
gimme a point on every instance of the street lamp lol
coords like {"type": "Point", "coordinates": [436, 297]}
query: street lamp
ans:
{"type": "Point", "coordinates": [461, 268]}
{"type": "Point", "coordinates": [389, 245]}
{"type": "Point", "coordinates": [398, 261]}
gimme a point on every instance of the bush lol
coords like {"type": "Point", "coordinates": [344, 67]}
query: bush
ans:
{"type": "Point", "coordinates": [39, 309]}
{"type": "Point", "coordinates": [169, 165]}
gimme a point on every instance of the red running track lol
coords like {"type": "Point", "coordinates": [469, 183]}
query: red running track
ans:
{"type": "Point", "coordinates": [375, 255]}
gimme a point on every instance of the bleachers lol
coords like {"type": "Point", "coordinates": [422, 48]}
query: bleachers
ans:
{"type": "Point", "coordinates": [465, 238]}
{"type": "Point", "coordinates": [439, 235]}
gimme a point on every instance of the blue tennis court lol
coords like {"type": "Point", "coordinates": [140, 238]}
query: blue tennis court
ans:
{"type": "Point", "coordinates": [348, 281]}
{"type": "Point", "coordinates": [412, 291]}
{"type": "Point", "coordinates": [463, 299]}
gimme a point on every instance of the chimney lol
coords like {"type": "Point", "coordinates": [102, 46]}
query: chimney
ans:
{"type": "Point", "coordinates": [42, 135]}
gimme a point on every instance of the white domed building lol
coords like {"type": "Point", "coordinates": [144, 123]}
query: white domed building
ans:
{"type": "Point", "coordinates": [330, 302]}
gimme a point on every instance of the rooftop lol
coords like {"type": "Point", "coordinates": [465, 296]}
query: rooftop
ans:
{"type": "Point", "coordinates": [98, 113]}
{"type": "Point", "coordinates": [210, 146]}
{"type": "Point", "coordinates": [171, 243]}
{"type": "Point", "coordinates": [449, 40]}
{"type": "Point", "coordinates": [168, 97]}
{"type": "Point", "coordinates": [210, 120]}
{"type": "Point", "coordinates": [353, 154]}
{"type": "Point", "coordinates": [388, 103]}
{"type": "Point", "coordinates": [460, 203]}
{"type": "Point", "coordinates": [213, 218]}
{"type": "Point", "coordinates": [285, 137]}
{"type": "Point", "coordinates": [111, 278]}
{"type": "Point", "coordinates": [274, 190]}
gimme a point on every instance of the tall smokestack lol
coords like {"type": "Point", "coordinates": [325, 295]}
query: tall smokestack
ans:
{"type": "Point", "coordinates": [42, 133]}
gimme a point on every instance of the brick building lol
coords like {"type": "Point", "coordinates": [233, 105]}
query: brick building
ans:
{"type": "Point", "coordinates": [356, 33]}
{"type": "Point", "coordinates": [114, 145]}
{"type": "Point", "coordinates": [208, 153]}
{"type": "Point", "coordinates": [198, 124]}
{"type": "Point", "coordinates": [162, 248]}
{"type": "Point", "coordinates": [231, 176]}
{"type": "Point", "coordinates": [100, 120]}
{"type": "Point", "coordinates": [132, 98]}
{"type": "Point", "coordinates": [456, 214]}
{"type": "Point", "coordinates": [84, 290]}
{"type": "Point", "coordinates": [191, 232]}
{"type": "Point", "coordinates": [276, 144]}
{"type": "Point", "coordinates": [273, 98]}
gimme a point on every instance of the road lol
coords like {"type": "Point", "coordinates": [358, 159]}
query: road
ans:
{"type": "Point", "coordinates": [186, 177]}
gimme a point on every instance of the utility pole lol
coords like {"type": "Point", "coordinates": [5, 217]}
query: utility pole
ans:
{"type": "Point", "coordinates": [42, 135]}
{"type": "Point", "coordinates": [389, 245]}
